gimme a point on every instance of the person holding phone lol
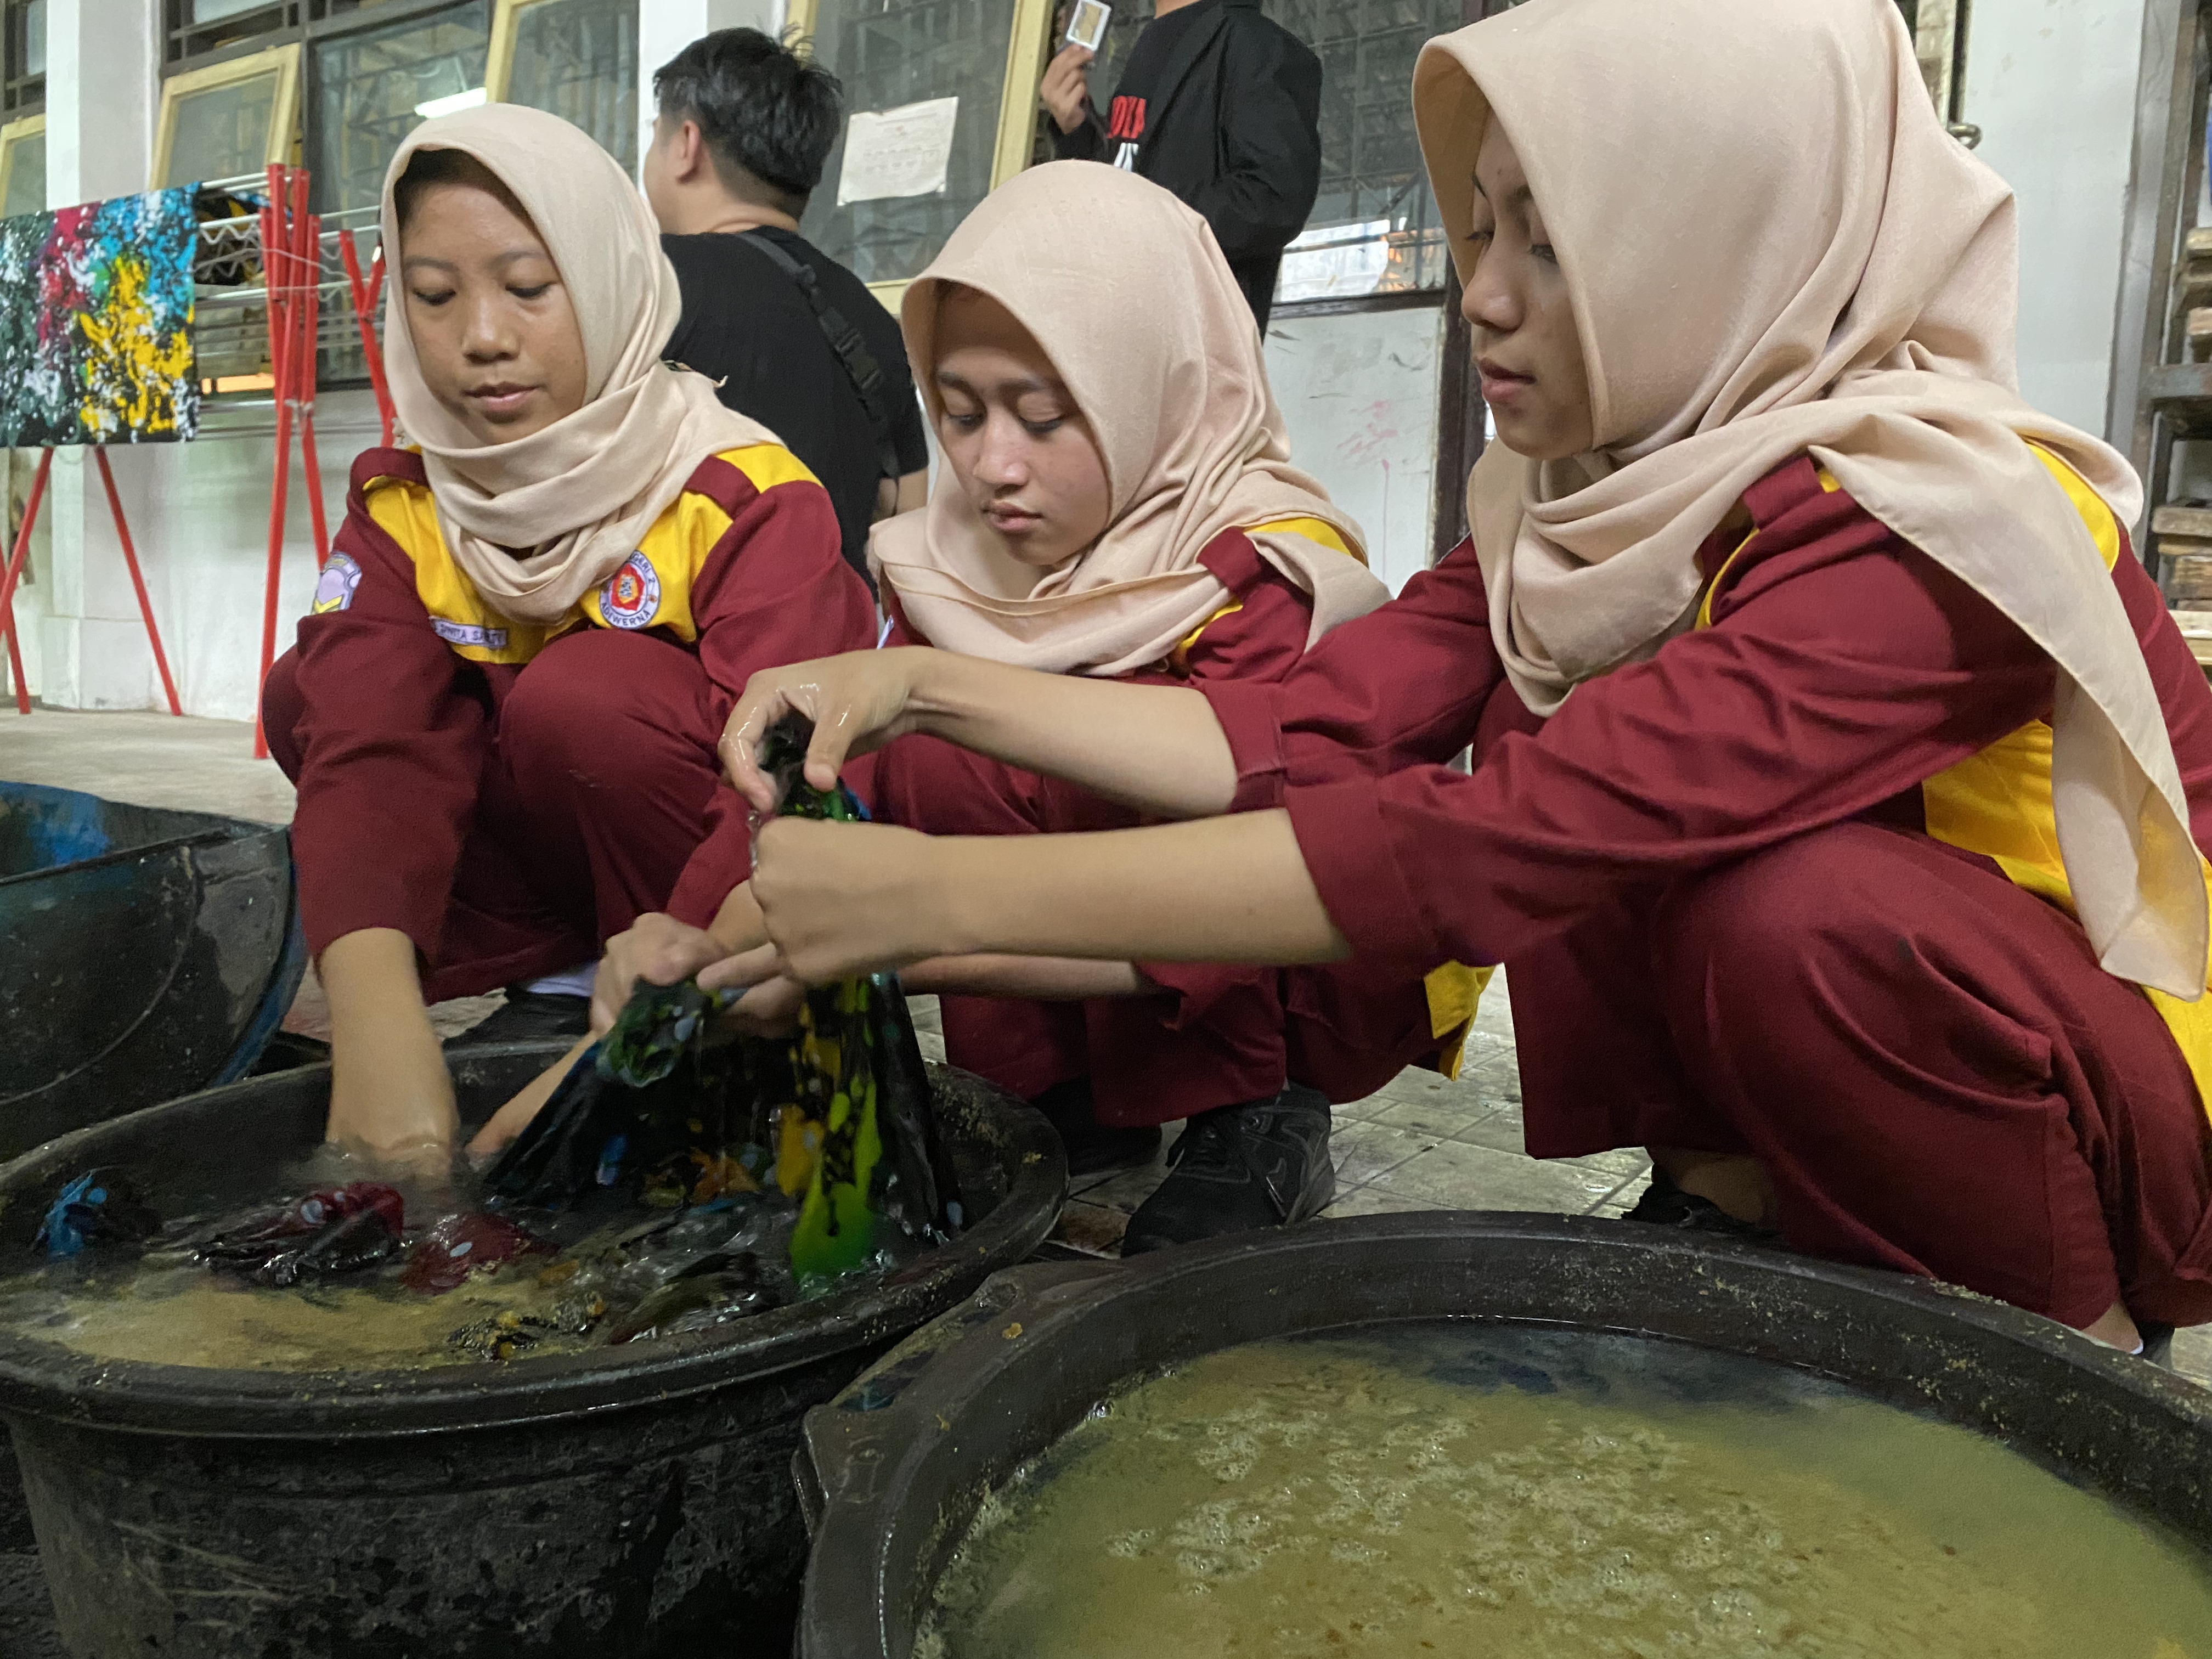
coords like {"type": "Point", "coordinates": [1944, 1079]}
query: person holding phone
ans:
{"type": "Point", "coordinates": [1218, 104]}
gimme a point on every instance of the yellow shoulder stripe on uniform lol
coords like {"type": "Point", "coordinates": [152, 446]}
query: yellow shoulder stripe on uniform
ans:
{"type": "Point", "coordinates": [1314, 529]}
{"type": "Point", "coordinates": [2103, 525]}
{"type": "Point", "coordinates": [767, 465]}
{"type": "Point", "coordinates": [1454, 991]}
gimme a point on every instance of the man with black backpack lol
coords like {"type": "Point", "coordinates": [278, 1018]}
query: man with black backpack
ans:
{"type": "Point", "coordinates": [744, 128]}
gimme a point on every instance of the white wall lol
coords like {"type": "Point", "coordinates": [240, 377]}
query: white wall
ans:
{"type": "Point", "coordinates": [2051, 83]}
{"type": "Point", "coordinates": [1358, 395]}
{"type": "Point", "coordinates": [665, 27]}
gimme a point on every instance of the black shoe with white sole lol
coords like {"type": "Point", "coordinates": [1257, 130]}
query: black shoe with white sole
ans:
{"type": "Point", "coordinates": [1259, 1163]}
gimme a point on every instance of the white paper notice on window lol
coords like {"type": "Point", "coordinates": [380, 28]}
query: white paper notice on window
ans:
{"type": "Point", "coordinates": [897, 152]}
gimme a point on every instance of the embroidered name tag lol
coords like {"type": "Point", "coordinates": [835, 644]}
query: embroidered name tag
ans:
{"type": "Point", "coordinates": [334, 587]}
{"type": "Point", "coordinates": [630, 598]}
{"type": "Point", "coordinates": [453, 633]}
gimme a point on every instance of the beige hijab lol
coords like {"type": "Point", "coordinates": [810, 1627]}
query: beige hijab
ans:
{"type": "Point", "coordinates": [581, 492]}
{"type": "Point", "coordinates": [1133, 303]}
{"type": "Point", "coordinates": [1772, 246]}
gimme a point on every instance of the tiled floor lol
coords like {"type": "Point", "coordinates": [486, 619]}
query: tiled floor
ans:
{"type": "Point", "coordinates": [1420, 1142]}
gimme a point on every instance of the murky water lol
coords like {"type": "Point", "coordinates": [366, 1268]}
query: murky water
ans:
{"type": "Point", "coordinates": [1469, 1493]}
{"type": "Point", "coordinates": [592, 1271]}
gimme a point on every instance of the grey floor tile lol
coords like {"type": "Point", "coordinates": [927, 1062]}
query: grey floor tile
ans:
{"type": "Point", "coordinates": [1461, 1177]}
{"type": "Point", "coordinates": [1358, 1111]}
{"type": "Point", "coordinates": [1092, 1227]}
{"type": "Point", "coordinates": [1624, 1165]}
{"type": "Point", "coordinates": [1500, 1129]}
{"type": "Point", "coordinates": [1363, 1151]}
{"type": "Point", "coordinates": [1373, 1200]}
{"type": "Point", "coordinates": [1498, 1079]}
{"type": "Point", "coordinates": [1441, 1118]}
{"type": "Point", "coordinates": [1127, 1188]}
{"type": "Point", "coordinates": [1625, 1196]}
{"type": "Point", "coordinates": [2192, 1354]}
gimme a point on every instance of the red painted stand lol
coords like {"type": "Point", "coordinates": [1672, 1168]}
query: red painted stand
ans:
{"type": "Point", "coordinates": [21, 551]}
{"type": "Point", "coordinates": [292, 269]}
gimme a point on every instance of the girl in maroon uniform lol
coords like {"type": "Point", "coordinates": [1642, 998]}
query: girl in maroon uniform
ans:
{"type": "Point", "coordinates": [1117, 505]}
{"type": "Point", "coordinates": [502, 707]}
{"type": "Point", "coordinates": [1840, 780]}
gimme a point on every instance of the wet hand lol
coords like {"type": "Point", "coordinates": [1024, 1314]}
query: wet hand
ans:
{"type": "Point", "coordinates": [1065, 92]}
{"type": "Point", "coordinates": [659, 950]}
{"type": "Point", "coordinates": [858, 702]}
{"type": "Point", "coordinates": [391, 1099]}
{"type": "Point", "coordinates": [842, 899]}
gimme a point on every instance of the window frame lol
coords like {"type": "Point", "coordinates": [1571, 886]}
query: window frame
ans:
{"type": "Point", "coordinates": [17, 102]}
{"type": "Point", "coordinates": [12, 134]}
{"type": "Point", "coordinates": [284, 111]}
{"type": "Point", "coordinates": [1015, 138]}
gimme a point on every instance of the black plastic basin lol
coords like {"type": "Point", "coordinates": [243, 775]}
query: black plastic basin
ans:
{"type": "Point", "coordinates": [896, 1466]}
{"type": "Point", "coordinates": [626, 1502]}
{"type": "Point", "coordinates": [144, 953]}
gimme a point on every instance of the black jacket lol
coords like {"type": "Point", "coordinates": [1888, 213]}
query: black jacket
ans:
{"type": "Point", "coordinates": [1235, 131]}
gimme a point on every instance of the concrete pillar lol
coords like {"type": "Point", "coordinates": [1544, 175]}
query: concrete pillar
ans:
{"type": "Point", "coordinates": [102, 92]}
{"type": "Point", "coordinates": [665, 27]}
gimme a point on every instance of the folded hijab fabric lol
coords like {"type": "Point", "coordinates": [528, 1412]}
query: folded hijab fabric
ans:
{"type": "Point", "coordinates": [1124, 287]}
{"type": "Point", "coordinates": [1773, 247]}
{"type": "Point", "coordinates": [574, 498]}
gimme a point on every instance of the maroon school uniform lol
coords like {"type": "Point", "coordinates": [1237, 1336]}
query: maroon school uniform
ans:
{"type": "Point", "coordinates": [1216, 1034]}
{"type": "Point", "coordinates": [510, 796]}
{"type": "Point", "coordinates": [1728, 925]}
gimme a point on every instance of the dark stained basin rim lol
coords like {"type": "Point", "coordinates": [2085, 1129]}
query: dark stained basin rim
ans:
{"type": "Point", "coordinates": [45, 1379]}
{"type": "Point", "coordinates": [892, 1470]}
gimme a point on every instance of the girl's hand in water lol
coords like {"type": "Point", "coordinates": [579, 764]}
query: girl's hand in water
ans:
{"type": "Point", "coordinates": [391, 1099]}
{"type": "Point", "coordinates": [841, 899]}
{"type": "Point", "coordinates": [859, 702]}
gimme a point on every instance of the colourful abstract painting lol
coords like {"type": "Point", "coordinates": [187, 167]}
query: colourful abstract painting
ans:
{"type": "Point", "coordinates": [95, 323]}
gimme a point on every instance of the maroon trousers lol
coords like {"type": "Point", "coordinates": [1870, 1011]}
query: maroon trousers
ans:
{"type": "Point", "coordinates": [1214, 1034]}
{"type": "Point", "coordinates": [599, 798]}
{"type": "Point", "coordinates": [1927, 1059]}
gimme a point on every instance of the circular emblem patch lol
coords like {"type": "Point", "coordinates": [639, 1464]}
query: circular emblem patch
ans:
{"type": "Point", "coordinates": [630, 598]}
{"type": "Point", "coordinates": [334, 587]}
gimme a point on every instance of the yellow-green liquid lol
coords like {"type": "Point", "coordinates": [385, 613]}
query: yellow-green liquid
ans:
{"type": "Point", "coordinates": [1473, 1493]}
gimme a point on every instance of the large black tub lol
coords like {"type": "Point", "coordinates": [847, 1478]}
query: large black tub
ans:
{"type": "Point", "coordinates": [630, 1502]}
{"type": "Point", "coordinates": [895, 1469]}
{"type": "Point", "coordinates": [144, 954]}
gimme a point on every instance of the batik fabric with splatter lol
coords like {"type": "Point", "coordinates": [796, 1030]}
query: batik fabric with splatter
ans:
{"type": "Point", "coordinates": [95, 323]}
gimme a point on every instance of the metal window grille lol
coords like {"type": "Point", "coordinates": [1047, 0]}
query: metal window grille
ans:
{"type": "Point", "coordinates": [23, 58]}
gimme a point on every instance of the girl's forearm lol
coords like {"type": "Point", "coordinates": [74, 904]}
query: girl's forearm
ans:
{"type": "Point", "coordinates": [1046, 979]}
{"type": "Point", "coordinates": [1230, 889]}
{"type": "Point", "coordinates": [1157, 748]}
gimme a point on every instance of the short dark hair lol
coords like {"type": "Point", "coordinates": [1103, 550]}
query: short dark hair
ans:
{"type": "Point", "coordinates": [426, 168]}
{"type": "Point", "coordinates": [768, 115]}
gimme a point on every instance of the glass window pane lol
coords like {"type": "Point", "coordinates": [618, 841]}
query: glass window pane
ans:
{"type": "Point", "coordinates": [34, 37]}
{"type": "Point", "coordinates": [223, 131]}
{"type": "Point", "coordinates": [366, 86]}
{"type": "Point", "coordinates": [214, 11]}
{"type": "Point", "coordinates": [27, 176]}
{"type": "Point", "coordinates": [891, 53]}
{"type": "Point", "coordinates": [1373, 230]}
{"type": "Point", "coordinates": [578, 59]}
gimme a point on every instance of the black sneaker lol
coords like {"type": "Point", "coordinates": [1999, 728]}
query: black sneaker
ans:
{"type": "Point", "coordinates": [1093, 1146]}
{"type": "Point", "coordinates": [1260, 1164]}
{"type": "Point", "coordinates": [530, 1017]}
{"type": "Point", "coordinates": [1666, 1205]}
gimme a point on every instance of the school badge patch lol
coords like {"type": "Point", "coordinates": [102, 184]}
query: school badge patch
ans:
{"type": "Point", "coordinates": [630, 597]}
{"type": "Point", "coordinates": [334, 587]}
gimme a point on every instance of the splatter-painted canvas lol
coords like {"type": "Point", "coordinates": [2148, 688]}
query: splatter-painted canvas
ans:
{"type": "Point", "coordinates": [95, 323]}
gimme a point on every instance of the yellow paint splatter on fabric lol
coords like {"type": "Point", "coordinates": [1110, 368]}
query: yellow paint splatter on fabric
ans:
{"type": "Point", "coordinates": [129, 368]}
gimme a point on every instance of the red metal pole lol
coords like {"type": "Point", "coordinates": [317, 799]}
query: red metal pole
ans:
{"type": "Point", "coordinates": [364, 308]}
{"type": "Point", "coordinates": [311, 316]}
{"type": "Point", "coordinates": [20, 552]}
{"type": "Point", "coordinates": [275, 270]}
{"type": "Point", "coordinates": [138, 580]}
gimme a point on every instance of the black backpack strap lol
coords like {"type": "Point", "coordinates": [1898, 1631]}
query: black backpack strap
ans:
{"type": "Point", "coordinates": [860, 367]}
